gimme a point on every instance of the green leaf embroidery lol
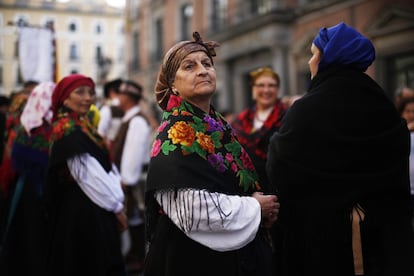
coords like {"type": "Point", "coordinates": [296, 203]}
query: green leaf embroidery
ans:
{"type": "Point", "coordinates": [216, 137]}
{"type": "Point", "coordinates": [166, 147]}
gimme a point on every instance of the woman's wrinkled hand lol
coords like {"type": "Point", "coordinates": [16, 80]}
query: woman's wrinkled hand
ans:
{"type": "Point", "coordinates": [270, 208]}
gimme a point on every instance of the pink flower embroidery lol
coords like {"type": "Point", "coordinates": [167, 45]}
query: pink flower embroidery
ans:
{"type": "Point", "coordinates": [156, 148]}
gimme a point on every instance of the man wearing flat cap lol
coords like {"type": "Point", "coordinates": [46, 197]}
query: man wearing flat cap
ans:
{"type": "Point", "coordinates": [130, 153]}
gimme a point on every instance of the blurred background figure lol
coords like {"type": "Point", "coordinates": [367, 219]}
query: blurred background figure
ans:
{"type": "Point", "coordinates": [288, 100]}
{"type": "Point", "coordinates": [24, 234]}
{"type": "Point", "coordinates": [17, 104]}
{"type": "Point", "coordinates": [403, 93]}
{"type": "Point", "coordinates": [229, 116]}
{"type": "Point", "coordinates": [256, 124]}
{"type": "Point", "coordinates": [83, 195]}
{"type": "Point", "coordinates": [406, 110]}
{"type": "Point", "coordinates": [111, 112]}
{"type": "Point", "coordinates": [4, 107]}
{"type": "Point", "coordinates": [130, 153]}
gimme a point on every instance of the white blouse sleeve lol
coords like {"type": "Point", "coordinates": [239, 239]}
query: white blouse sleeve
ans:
{"type": "Point", "coordinates": [103, 188]}
{"type": "Point", "coordinates": [219, 221]}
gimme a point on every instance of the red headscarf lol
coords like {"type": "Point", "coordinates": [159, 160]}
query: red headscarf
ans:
{"type": "Point", "coordinates": [65, 87]}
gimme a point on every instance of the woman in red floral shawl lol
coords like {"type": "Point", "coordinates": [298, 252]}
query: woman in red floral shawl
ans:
{"type": "Point", "coordinates": [255, 125]}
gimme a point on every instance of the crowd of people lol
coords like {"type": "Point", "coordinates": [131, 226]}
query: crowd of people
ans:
{"type": "Point", "coordinates": [65, 187]}
{"type": "Point", "coordinates": [320, 184]}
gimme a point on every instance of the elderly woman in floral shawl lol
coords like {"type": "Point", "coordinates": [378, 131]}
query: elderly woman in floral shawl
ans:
{"type": "Point", "coordinates": [203, 200]}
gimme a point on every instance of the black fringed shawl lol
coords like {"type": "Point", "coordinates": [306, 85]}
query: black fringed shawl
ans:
{"type": "Point", "coordinates": [83, 238]}
{"type": "Point", "coordinates": [196, 150]}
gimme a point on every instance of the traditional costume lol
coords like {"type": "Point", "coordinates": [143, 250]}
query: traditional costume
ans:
{"type": "Point", "coordinates": [201, 219]}
{"type": "Point", "coordinates": [83, 194]}
{"type": "Point", "coordinates": [340, 163]}
{"type": "Point", "coordinates": [254, 134]}
{"type": "Point", "coordinates": [24, 240]}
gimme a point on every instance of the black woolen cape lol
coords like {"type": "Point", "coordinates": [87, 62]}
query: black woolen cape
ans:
{"type": "Point", "coordinates": [171, 252]}
{"type": "Point", "coordinates": [83, 238]}
{"type": "Point", "coordinates": [342, 143]}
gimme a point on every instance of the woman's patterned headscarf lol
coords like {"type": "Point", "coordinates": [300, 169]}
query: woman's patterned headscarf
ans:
{"type": "Point", "coordinates": [38, 106]}
{"type": "Point", "coordinates": [172, 61]}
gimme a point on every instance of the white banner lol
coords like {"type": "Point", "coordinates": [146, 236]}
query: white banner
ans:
{"type": "Point", "coordinates": [36, 54]}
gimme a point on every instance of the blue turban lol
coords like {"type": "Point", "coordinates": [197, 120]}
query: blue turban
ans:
{"type": "Point", "coordinates": [343, 45]}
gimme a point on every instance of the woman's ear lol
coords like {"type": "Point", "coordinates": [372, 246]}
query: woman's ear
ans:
{"type": "Point", "coordinates": [174, 90]}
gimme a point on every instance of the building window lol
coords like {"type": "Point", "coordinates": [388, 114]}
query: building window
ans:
{"type": "Point", "coordinates": [135, 62]}
{"type": "Point", "coordinates": [98, 54]}
{"type": "Point", "coordinates": [73, 52]}
{"type": "Point", "coordinates": [98, 29]}
{"type": "Point", "coordinates": [186, 15]}
{"type": "Point", "coordinates": [121, 29]}
{"type": "Point", "coordinates": [159, 41]}
{"type": "Point", "coordinates": [22, 22]}
{"type": "Point", "coordinates": [72, 27]}
{"type": "Point", "coordinates": [218, 14]}
{"type": "Point", "coordinates": [19, 79]}
{"type": "Point", "coordinates": [49, 23]}
{"type": "Point", "coordinates": [16, 49]}
{"type": "Point", "coordinates": [260, 6]}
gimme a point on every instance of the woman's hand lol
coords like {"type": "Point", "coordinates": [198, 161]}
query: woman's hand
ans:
{"type": "Point", "coordinates": [122, 220]}
{"type": "Point", "coordinates": [269, 206]}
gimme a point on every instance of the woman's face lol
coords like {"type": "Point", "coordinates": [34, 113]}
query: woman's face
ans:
{"type": "Point", "coordinates": [265, 91]}
{"type": "Point", "coordinates": [80, 100]}
{"type": "Point", "coordinates": [314, 60]}
{"type": "Point", "coordinates": [408, 112]}
{"type": "Point", "coordinates": [195, 79]}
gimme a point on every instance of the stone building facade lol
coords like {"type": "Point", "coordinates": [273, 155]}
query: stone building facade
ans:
{"type": "Point", "coordinates": [276, 33]}
{"type": "Point", "coordinates": [89, 35]}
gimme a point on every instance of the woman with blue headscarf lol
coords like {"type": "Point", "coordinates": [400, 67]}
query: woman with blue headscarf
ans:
{"type": "Point", "coordinates": [340, 163]}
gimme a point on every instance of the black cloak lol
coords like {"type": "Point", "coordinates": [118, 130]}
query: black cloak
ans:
{"type": "Point", "coordinates": [342, 144]}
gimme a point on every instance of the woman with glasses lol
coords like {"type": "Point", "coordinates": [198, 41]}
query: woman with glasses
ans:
{"type": "Point", "coordinates": [255, 125]}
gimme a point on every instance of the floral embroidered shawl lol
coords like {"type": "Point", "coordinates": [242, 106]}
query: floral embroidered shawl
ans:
{"type": "Point", "coordinates": [256, 141]}
{"type": "Point", "coordinates": [196, 150]}
{"type": "Point", "coordinates": [199, 150]}
{"type": "Point", "coordinates": [73, 135]}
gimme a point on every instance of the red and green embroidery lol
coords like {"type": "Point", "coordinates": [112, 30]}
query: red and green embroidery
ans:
{"type": "Point", "coordinates": [68, 122]}
{"type": "Point", "coordinates": [192, 134]}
